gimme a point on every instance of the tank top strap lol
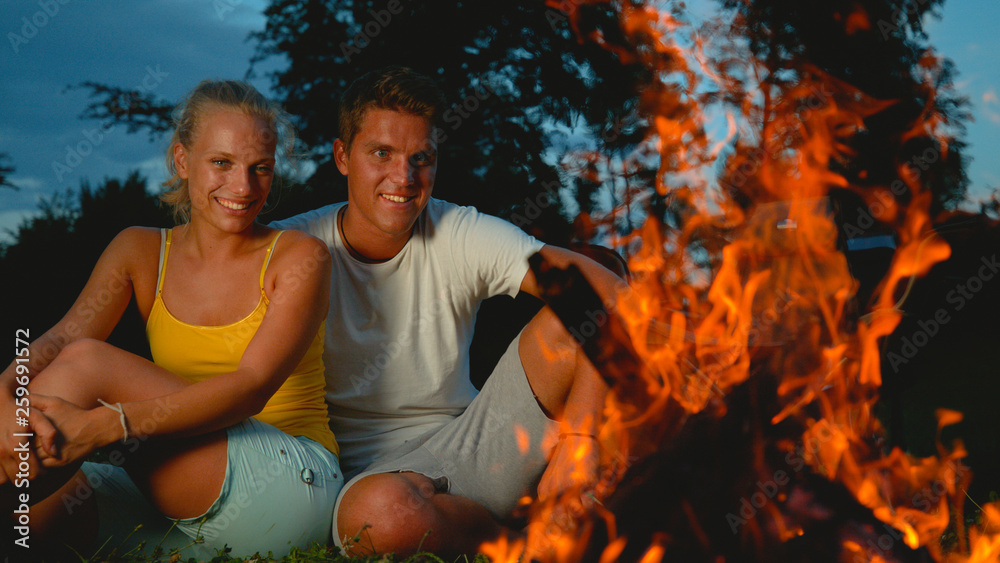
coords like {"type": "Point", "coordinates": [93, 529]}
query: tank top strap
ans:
{"type": "Point", "coordinates": [164, 250]}
{"type": "Point", "coordinates": [267, 259]}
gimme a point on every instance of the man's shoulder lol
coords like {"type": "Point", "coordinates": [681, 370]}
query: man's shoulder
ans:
{"type": "Point", "coordinates": [318, 222]}
{"type": "Point", "coordinates": [438, 209]}
{"type": "Point", "coordinates": [465, 227]}
{"type": "Point", "coordinates": [447, 215]}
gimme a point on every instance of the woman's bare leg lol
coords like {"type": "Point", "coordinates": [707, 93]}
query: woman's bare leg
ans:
{"type": "Point", "coordinates": [68, 524]}
{"type": "Point", "coordinates": [181, 477]}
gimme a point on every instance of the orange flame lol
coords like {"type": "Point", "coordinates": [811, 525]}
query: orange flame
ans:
{"type": "Point", "coordinates": [736, 281]}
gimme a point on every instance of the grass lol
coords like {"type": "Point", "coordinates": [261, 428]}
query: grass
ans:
{"type": "Point", "coordinates": [314, 553]}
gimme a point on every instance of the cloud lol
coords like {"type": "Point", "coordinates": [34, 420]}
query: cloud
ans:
{"type": "Point", "coordinates": [11, 220]}
{"type": "Point", "coordinates": [990, 97]}
{"type": "Point", "coordinates": [163, 46]}
{"type": "Point", "coordinates": [27, 183]}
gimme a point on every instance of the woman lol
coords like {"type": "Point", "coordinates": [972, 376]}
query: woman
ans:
{"type": "Point", "coordinates": [234, 313]}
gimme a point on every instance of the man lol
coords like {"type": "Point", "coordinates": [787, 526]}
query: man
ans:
{"type": "Point", "coordinates": [435, 466]}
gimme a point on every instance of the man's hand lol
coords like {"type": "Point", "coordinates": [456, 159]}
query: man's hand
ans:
{"type": "Point", "coordinates": [573, 470]}
{"type": "Point", "coordinates": [80, 431]}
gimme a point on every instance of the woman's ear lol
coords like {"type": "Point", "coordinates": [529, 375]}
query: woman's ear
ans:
{"type": "Point", "coordinates": [181, 161]}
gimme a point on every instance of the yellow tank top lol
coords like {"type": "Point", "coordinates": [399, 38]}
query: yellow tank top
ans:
{"type": "Point", "coordinates": [199, 352]}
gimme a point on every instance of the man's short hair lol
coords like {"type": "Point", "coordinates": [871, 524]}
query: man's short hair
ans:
{"type": "Point", "coordinates": [395, 88]}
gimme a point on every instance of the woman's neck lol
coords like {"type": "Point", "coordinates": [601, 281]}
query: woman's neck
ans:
{"type": "Point", "coordinates": [209, 242]}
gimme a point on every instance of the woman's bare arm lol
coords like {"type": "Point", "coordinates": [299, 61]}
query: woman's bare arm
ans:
{"type": "Point", "coordinates": [298, 302]}
{"type": "Point", "coordinates": [95, 313]}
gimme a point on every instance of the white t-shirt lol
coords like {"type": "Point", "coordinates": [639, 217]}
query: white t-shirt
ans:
{"type": "Point", "coordinates": [398, 332]}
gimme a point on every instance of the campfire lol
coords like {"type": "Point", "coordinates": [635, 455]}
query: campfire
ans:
{"type": "Point", "coordinates": [744, 369]}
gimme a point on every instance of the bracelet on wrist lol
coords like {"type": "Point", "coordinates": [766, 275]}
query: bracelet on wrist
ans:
{"type": "Point", "coordinates": [582, 434]}
{"type": "Point", "coordinates": [121, 412]}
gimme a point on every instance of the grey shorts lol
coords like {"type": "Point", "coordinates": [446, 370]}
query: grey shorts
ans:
{"type": "Point", "coordinates": [493, 453]}
{"type": "Point", "coordinates": [278, 493]}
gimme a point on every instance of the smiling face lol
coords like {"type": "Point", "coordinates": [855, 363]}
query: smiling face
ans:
{"type": "Point", "coordinates": [228, 168]}
{"type": "Point", "coordinates": [390, 168]}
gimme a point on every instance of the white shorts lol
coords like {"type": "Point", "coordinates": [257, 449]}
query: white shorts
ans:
{"type": "Point", "coordinates": [478, 455]}
{"type": "Point", "coordinates": [278, 493]}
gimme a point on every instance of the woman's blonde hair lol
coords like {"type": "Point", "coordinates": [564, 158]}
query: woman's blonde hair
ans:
{"type": "Point", "coordinates": [211, 95]}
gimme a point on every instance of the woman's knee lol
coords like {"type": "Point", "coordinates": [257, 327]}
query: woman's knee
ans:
{"type": "Point", "coordinates": [84, 360]}
{"type": "Point", "coordinates": [81, 355]}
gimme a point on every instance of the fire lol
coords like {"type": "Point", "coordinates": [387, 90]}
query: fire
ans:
{"type": "Point", "coordinates": [750, 283]}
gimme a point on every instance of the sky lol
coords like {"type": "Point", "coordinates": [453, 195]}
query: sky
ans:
{"type": "Point", "coordinates": [166, 46]}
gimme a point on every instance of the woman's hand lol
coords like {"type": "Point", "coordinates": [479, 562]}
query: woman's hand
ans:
{"type": "Point", "coordinates": [80, 431]}
{"type": "Point", "coordinates": [16, 451]}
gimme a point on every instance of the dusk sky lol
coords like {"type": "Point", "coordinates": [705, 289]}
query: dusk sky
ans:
{"type": "Point", "coordinates": [167, 46]}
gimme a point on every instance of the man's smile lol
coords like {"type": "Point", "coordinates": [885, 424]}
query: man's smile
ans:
{"type": "Point", "coordinates": [397, 198]}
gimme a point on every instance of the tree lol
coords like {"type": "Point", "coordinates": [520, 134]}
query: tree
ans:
{"type": "Point", "coordinates": [53, 254]}
{"type": "Point", "coordinates": [136, 110]}
{"type": "Point", "coordinates": [879, 48]}
{"type": "Point", "coordinates": [5, 171]}
{"type": "Point", "coordinates": [514, 73]}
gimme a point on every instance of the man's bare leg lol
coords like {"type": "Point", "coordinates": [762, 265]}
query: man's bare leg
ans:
{"type": "Point", "coordinates": [402, 513]}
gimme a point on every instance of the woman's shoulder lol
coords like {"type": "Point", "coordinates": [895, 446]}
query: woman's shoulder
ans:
{"type": "Point", "coordinates": [135, 240]}
{"type": "Point", "coordinates": [300, 250]}
{"type": "Point", "coordinates": [139, 234]}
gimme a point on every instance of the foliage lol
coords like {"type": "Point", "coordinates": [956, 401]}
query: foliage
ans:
{"type": "Point", "coordinates": [54, 253]}
{"type": "Point", "coordinates": [5, 171]}
{"type": "Point", "coordinates": [515, 73]}
{"type": "Point", "coordinates": [879, 48]}
{"type": "Point", "coordinates": [136, 110]}
{"type": "Point", "coordinates": [532, 81]}
{"type": "Point", "coordinates": [312, 554]}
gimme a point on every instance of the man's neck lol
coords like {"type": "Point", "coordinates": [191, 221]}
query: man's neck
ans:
{"type": "Point", "coordinates": [374, 249]}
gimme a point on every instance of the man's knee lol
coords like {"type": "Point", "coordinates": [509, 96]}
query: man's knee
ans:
{"type": "Point", "coordinates": [550, 356]}
{"type": "Point", "coordinates": [388, 513]}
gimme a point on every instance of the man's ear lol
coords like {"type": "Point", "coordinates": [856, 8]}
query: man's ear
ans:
{"type": "Point", "coordinates": [340, 155]}
{"type": "Point", "coordinates": [181, 161]}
